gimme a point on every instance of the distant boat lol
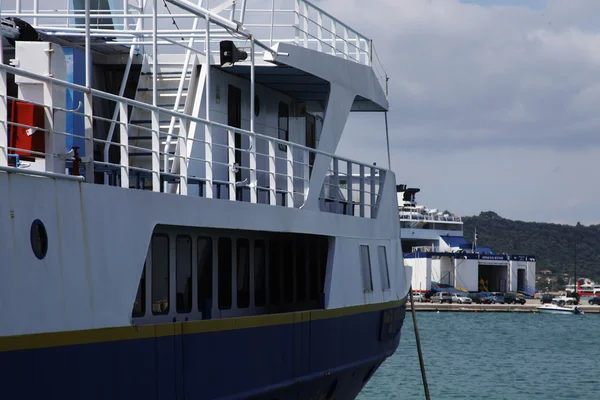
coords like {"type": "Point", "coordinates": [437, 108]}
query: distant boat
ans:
{"type": "Point", "coordinates": [557, 309]}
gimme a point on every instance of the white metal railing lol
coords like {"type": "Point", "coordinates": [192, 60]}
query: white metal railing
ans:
{"type": "Point", "coordinates": [414, 216]}
{"type": "Point", "coordinates": [293, 21]}
{"type": "Point", "coordinates": [261, 172]}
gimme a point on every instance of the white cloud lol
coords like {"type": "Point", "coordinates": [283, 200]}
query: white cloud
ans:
{"type": "Point", "coordinates": [497, 93]}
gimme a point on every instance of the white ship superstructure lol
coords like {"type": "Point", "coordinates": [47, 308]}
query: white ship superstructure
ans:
{"type": "Point", "coordinates": [434, 245]}
{"type": "Point", "coordinates": [172, 223]}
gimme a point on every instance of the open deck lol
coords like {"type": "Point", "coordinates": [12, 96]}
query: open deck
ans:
{"type": "Point", "coordinates": [268, 170]}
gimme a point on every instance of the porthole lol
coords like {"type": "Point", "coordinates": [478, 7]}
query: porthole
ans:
{"type": "Point", "coordinates": [39, 239]}
{"type": "Point", "coordinates": [256, 105]}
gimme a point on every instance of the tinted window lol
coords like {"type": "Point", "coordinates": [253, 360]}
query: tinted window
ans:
{"type": "Point", "coordinates": [259, 273]}
{"type": "Point", "coordinates": [225, 274]}
{"type": "Point", "coordinates": [184, 274]}
{"type": "Point", "coordinates": [204, 265]}
{"type": "Point", "coordinates": [243, 273]}
{"type": "Point", "coordinates": [365, 260]}
{"type": "Point", "coordinates": [139, 306]}
{"type": "Point", "coordinates": [160, 274]}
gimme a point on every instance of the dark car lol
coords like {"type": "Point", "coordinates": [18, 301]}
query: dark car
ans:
{"type": "Point", "coordinates": [496, 297]}
{"type": "Point", "coordinates": [546, 298]}
{"type": "Point", "coordinates": [479, 298]}
{"type": "Point", "coordinates": [594, 300]}
{"type": "Point", "coordinates": [513, 298]}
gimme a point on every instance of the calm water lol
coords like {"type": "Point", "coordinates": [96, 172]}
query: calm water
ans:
{"type": "Point", "coordinates": [494, 356]}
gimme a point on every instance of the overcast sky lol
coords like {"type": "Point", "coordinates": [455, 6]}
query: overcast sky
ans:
{"type": "Point", "coordinates": [494, 105]}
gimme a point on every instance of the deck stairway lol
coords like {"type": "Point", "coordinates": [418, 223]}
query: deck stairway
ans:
{"type": "Point", "coordinates": [179, 87]}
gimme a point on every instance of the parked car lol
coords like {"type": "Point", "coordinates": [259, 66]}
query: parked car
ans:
{"type": "Point", "coordinates": [513, 298]}
{"type": "Point", "coordinates": [461, 298]}
{"type": "Point", "coordinates": [418, 297]}
{"type": "Point", "coordinates": [594, 300]}
{"type": "Point", "coordinates": [479, 298]}
{"type": "Point", "coordinates": [496, 297]}
{"type": "Point", "coordinates": [546, 298]}
{"type": "Point", "coordinates": [441, 297]}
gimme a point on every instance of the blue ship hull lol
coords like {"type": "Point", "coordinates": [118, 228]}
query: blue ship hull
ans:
{"type": "Point", "coordinates": [321, 354]}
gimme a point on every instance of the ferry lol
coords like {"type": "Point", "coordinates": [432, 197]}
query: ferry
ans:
{"type": "Point", "coordinates": [174, 219]}
{"type": "Point", "coordinates": [434, 245]}
{"type": "Point", "coordinates": [585, 289]}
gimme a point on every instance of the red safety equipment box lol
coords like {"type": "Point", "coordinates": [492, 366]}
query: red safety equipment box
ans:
{"type": "Point", "coordinates": [27, 138]}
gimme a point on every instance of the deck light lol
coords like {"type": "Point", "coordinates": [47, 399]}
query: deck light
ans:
{"type": "Point", "coordinates": [230, 54]}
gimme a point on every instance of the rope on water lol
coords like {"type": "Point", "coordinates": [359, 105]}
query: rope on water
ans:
{"type": "Point", "coordinates": [418, 339]}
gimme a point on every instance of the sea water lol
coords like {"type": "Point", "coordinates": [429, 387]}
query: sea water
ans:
{"type": "Point", "coordinates": [494, 356]}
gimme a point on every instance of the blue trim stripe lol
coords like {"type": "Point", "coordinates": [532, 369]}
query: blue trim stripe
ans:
{"type": "Point", "coordinates": [290, 360]}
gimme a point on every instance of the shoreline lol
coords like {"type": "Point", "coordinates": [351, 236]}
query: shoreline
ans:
{"type": "Point", "coordinates": [529, 307]}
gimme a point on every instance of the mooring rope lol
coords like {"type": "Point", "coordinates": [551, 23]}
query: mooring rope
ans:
{"type": "Point", "coordinates": [418, 339]}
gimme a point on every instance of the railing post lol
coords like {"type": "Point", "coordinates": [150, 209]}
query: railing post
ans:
{"type": "Point", "coordinates": [320, 30]}
{"type": "Point", "coordinates": [124, 144]}
{"type": "Point", "coordinates": [349, 181]}
{"type": "Point", "coordinates": [208, 127]}
{"type": "Point", "coordinates": [357, 49]}
{"type": "Point", "coordinates": [232, 165]}
{"type": "Point", "coordinates": [87, 101]}
{"type": "Point", "coordinates": [252, 182]}
{"type": "Point", "coordinates": [333, 38]}
{"type": "Point", "coordinates": [272, 172]}
{"type": "Point", "coordinates": [272, 22]}
{"type": "Point", "coordinates": [3, 113]}
{"type": "Point", "coordinates": [155, 156]}
{"type": "Point", "coordinates": [289, 173]}
{"type": "Point", "coordinates": [297, 21]}
{"type": "Point", "coordinates": [36, 9]}
{"type": "Point", "coordinates": [305, 34]}
{"type": "Point", "coordinates": [305, 175]}
{"type": "Point", "coordinates": [372, 214]}
{"type": "Point", "coordinates": [335, 184]}
{"type": "Point", "coordinates": [346, 51]}
{"type": "Point", "coordinates": [182, 157]}
{"type": "Point", "coordinates": [208, 170]}
{"type": "Point", "coordinates": [361, 189]}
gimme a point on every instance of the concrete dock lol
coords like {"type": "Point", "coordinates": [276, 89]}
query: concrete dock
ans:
{"type": "Point", "coordinates": [529, 307]}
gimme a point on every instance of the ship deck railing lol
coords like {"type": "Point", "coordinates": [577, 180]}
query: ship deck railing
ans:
{"type": "Point", "coordinates": [262, 177]}
{"type": "Point", "coordinates": [129, 23]}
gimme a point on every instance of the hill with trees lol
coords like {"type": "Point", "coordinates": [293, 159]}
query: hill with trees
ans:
{"type": "Point", "coordinates": [557, 247]}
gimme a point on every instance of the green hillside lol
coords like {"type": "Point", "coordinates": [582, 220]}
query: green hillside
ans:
{"type": "Point", "coordinates": [553, 244]}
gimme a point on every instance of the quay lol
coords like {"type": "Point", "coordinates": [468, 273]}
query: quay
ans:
{"type": "Point", "coordinates": [529, 307]}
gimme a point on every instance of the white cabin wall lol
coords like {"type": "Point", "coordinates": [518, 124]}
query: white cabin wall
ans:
{"type": "Point", "coordinates": [421, 273]}
{"type": "Point", "coordinates": [266, 123]}
{"type": "Point", "coordinates": [467, 272]}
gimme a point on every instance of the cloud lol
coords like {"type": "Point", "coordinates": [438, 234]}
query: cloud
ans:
{"type": "Point", "coordinates": [466, 75]}
{"type": "Point", "coordinates": [491, 108]}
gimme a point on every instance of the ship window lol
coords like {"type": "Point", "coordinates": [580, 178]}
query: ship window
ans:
{"type": "Point", "coordinates": [383, 268]}
{"type": "Point", "coordinates": [204, 265]}
{"type": "Point", "coordinates": [39, 239]}
{"type": "Point", "coordinates": [283, 124]}
{"type": "Point", "coordinates": [300, 270]}
{"type": "Point", "coordinates": [243, 273]}
{"type": "Point", "coordinates": [365, 260]}
{"type": "Point", "coordinates": [313, 266]}
{"type": "Point", "coordinates": [274, 273]}
{"type": "Point", "coordinates": [259, 273]}
{"type": "Point", "coordinates": [139, 306]}
{"type": "Point", "coordinates": [160, 274]}
{"type": "Point", "coordinates": [184, 274]}
{"type": "Point", "coordinates": [288, 272]}
{"type": "Point", "coordinates": [225, 275]}
{"type": "Point", "coordinates": [323, 250]}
